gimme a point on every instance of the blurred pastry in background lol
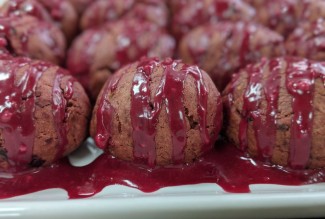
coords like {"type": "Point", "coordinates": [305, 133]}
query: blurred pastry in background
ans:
{"type": "Point", "coordinates": [223, 48]}
{"type": "Point", "coordinates": [97, 53]}
{"type": "Point", "coordinates": [28, 36]}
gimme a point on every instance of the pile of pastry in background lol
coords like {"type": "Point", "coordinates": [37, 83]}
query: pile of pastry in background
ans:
{"type": "Point", "coordinates": [95, 40]}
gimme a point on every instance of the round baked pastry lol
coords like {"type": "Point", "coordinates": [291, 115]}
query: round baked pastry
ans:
{"type": "Point", "coordinates": [157, 113]}
{"type": "Point", "coordinates": [29, 36]}
{"type": "Point", "coordinates": [58, 12]}
{"type": "Point", "coordinates": [275, 111]}
{"type": "Point", "coordinates": [43, 113]}
{"type": "Point", "coordinates": [280, 15]}
{"type": "Point", "coordinates": [103, 11]}
{"type": "Point", "coordinates": [187, 15]}
{"type": "Point", "coordinates": [308, 40]}
{"type": "Point", "coordinates": [221, 49]}
{"type": "Point", "coordinates": [126, 41]}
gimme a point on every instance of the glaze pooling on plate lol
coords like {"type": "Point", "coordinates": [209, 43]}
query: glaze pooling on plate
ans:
{"type": "Point", "coordinates": [226, 166]}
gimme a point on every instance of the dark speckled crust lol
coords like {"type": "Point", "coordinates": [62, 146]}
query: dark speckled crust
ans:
{"type": "Point", "coordinates": [123, 121]}
{"type": "Point", "coordinates": [266, 103]}
{"type": "Point", "coordinates": [58, 120]}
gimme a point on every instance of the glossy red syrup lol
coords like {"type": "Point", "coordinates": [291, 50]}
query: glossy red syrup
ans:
{"type": "Point", "coordinates": [225, 165]}
{"type": "Point", "coordinates": [17, 109]}
{"type": "Point", "coordinates": [251, 104]}
{"type": "Point", "coordinates": [300, 84]}
{"type": "Point", "coordinates": [145, 110]}
{"type": "Point", "coordinates": [265, 129]}
{"type": "Point", "coordinates": [264, 84]}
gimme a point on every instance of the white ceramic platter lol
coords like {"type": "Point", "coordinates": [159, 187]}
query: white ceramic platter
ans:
{"type": "Point", "coordinates": [191, 201]}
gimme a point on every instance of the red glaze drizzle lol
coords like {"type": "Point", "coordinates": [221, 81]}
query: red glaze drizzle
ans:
{"type": "Point", "coordinates": [144, 116]}
{"type": "Point", "coordinates": [59, 107]}
{"type": "Point", "coordinates": [225, 166]}
{"type": "Point", "coordinates": [300, 79]}
{"type": "Point", "coordinates": [171, 86]}
{"type": "Point", "coordinates": [17, 106]}
{"type": "Point", "coordinates": [251, 103]}
{"type": "Point", "coordinates": [267, 134]}
{"type": "Point", "coordinates": [264, 130]}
